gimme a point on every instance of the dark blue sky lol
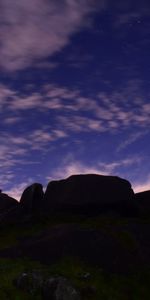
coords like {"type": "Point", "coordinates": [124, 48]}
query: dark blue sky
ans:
{"type": "Point", "coordinates": [74, 91]}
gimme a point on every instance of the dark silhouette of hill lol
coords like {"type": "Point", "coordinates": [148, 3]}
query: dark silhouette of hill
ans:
{"type": "Point", "coordinates": [85, 194]}
{"type": "Point", "coordinates": [143, 201]}
{"type": "Point", "coordinates": [8, 208]}
{"type": "Point", "coordinates": [6, 202]}
{"type": "Point", "coordinates": [94, 219]}
{"type": "Point", "coordinates": [88, 194]}
{"type": "Point", "coordinates": [119, 248]}
{"type": "Point", "coordinates": [32, 198]}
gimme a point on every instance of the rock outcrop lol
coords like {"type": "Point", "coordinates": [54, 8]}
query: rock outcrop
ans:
{"type": "Point", "coordinates": [89, 193]}
{"type": "Point", "coordinates": [120, 248]}
{"type": "Point", "coordinates": [80, 194]}
{"type": "Point", "coordinates": [31, 199]}
{"type": "Point", "coordinates": [59, 288]}
{"type": "Point", "coordinates": [143, 201]}
{"type": "Point", "coordinates": [54, 288]}
{"type": "Point", "coordinates": [6, 203]}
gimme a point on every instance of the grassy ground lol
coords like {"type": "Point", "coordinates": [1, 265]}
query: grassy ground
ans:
{"type": "Point", "coordinates": [104, 286]}
{"type": "Point", "coordinates": [99, 285]}
{"type": "Point", "coordinates": [10, 235]}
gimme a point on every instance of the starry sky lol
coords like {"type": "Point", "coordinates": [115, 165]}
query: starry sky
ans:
{"type": "Point", "coordinates": [74, 91]}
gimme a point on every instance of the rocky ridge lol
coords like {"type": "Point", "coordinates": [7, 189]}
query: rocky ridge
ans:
{"type": "Point", "coordinates": [93, 219]}
{"type": "Point", "coordinates": [80, 194]}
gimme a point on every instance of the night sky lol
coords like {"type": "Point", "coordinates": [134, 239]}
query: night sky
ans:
{"type": "Point", "coordinates": [74, 91]}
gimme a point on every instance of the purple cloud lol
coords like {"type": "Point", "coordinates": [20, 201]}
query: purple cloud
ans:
{"type": "Point", "coordinates": [35, 29]}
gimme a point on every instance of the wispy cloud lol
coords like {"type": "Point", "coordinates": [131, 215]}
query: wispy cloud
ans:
{"type": "Point", "coordinates": [11, 120]}
{"type": "Point", "coordinates": [128, 13]}
{"type": "Point", "coordinates": [20, 145]}
{"type": "Point", "coordinates": [35, 29]}
{"type": "Point", "coordinates": [116, 166]}
{"type": "Point", "coordinates": [17, 191]}
{"type": "Point", "coordinates": [33, 123]}
{"type": "Point", "coordinates": [132, 138]}
{"type": "Point", "coordinates": [142, 186]}
{"type": "Point", "coordinates": [71, 167]}
{"type": "Point", "coordinates": [74, 112]}
{"type": "Point", "coordinates": [6, 178]}
{"type": "Point", "coordinates": [127, 18]}
{"type": "Point", "coordinates": [76, 167]}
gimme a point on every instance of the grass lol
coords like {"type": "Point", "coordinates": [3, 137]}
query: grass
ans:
{"type": "Point", "coordinates": [10, 235]}
{"type": "Point", "coordinates": [106, 286]}
{"type": "Point", "coordinates": [9, 270]}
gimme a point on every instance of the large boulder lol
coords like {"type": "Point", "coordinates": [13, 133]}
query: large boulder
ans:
{"type": "Point", "coordinates": [6, 203]}
{"type": "Point", "coordinates": [88, 193]}
{"type": "Point", "coordinates": [59, 288]}
{"type": "Point", "coordinates": [31, 199]}
{"type": "Point", "coordinates": [54, 288]}
{"type": "Point", "coordinates": [143, 201]}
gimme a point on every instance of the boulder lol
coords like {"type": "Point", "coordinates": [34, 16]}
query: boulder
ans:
{"type": "Point", "coordinates": [6, 203]}
{"type": "Point", "coordinates": [143, 201]}
{"type": "Point", "coordinates": [30, 282]}
{"type": "Point", "coordinates": [59, 288]}
{"type": "Point", "coordinates": [31, 199]}
{"type": "Point", "coordinates": [89, 193]}
{"type": "Point", "coordinates": [54, 288]}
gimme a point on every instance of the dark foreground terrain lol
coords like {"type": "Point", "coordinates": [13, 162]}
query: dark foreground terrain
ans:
{"type": "Point", "coordinates": [87, 237]}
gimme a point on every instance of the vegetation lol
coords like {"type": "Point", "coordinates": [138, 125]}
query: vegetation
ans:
{"type": "Point", "coordinates": [98, 285]}
{"type": "Point", "coordinates": [93, 283]}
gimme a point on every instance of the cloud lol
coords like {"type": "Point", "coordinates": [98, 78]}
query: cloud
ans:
{"type": "Point", "coordinates": [132, 139]}
{"type": "Point", "coordinates": [67, 169]}
{"type": "Point", "coordinates": [5, 94]}
{"type": "Point", "coordinates": [127, 18]}
{"type": "Point", "coordinates": [79, 124]}
{"type": "Point", "coordinates": [6, 178]}
{"type": "Point", "coordinates": [32, 30]}
{"type": "Point", "coordinates": [20, 153]}
{"type": "Point", "coordinates": [115, 111]}
{"type": "Point", "coordinates": [25, 103]}
{"type": "Point", "coordinates": [34, 122]}
{"type": "Point", "coordinates": [40, 139]}
{"type": "Point", "coordinates": [71, 166]}
{"type": "Point", "coordinates": [14, 155]}
{"type": "Point", "coordinates": [128, 12]}
{"type": "Point", "coordinates": [11, 120]}
{"type": "Point", "coordinates": [116, 166]}
{"type": "Point", "coordinates": [17, 191]}
{"type": "Point", "coordinates": [142, 186]}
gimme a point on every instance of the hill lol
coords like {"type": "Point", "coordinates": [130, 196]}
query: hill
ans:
{"type": "Point", "coordinates": [87, 237]}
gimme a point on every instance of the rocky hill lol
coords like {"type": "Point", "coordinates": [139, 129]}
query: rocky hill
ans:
{"type": "Point", "coordinates": [86, 237]}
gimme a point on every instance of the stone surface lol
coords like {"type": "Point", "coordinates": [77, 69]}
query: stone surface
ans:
{"type": "Point", "coordinates": [52, 288]}
{"type": "Point", "coordinates": [88, 292]}
{"type": "Point", "coordinates": [30, 282]}
{"type": "Point", "coordinates": [88, 193]}
{"type": "Point", "coordinates": [143, 201]}
{"type": "Point", "coordinates": [32, 198]}
{"type": "Point", "coordinates": [112, 248]}
{"type": "Point", "coordinates": [59, 288]}
{"type": "Point", "coordinates": [6, 202]}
